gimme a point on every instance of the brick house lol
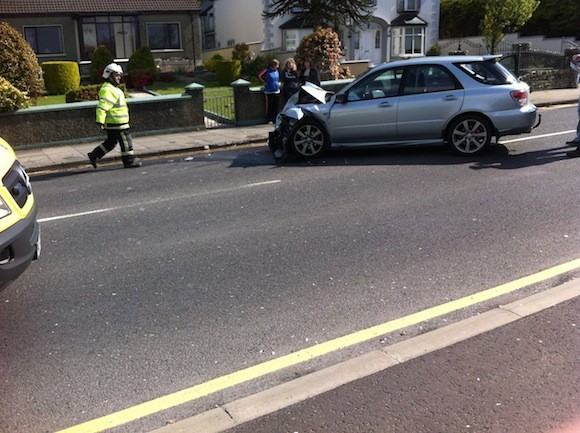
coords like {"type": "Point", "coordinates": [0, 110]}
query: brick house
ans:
{"type": "Point", "coordinates": [72, 29]}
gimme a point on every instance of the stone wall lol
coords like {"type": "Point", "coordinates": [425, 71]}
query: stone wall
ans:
{"type": "Point", "coordinates": [75, 122]}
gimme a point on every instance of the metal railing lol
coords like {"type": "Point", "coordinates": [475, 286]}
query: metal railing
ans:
{"type": "Point", "coordinates": [219, 111]}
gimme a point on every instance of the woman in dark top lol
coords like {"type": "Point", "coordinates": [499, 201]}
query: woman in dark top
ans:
{"type": "Point", "coordinates": [309, 73]}
{"type": "Point", "coordinates": [290, 79]}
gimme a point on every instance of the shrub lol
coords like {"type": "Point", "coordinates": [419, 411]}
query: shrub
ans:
{"type": "Point", "coordinates": [324, 49]}
{"type": "Point", "coordinates": [61, 77]}
{"type": "Point", "coordinates": [228, 71]}
{"type": "Point", "coordinates": [251, 70]}
{"type": "Point", "coordinates": [210, 64]}
{"type": "Point", "coordinates": [11, 98]}
{"type": "Point", "coordinates": [241, 52]}
{"type": "Point", "coordinates": [88, 93]}
{"type": "Point", "coordinates": [141, 68]}
{"type": "Point", "coordinates": [434, 50]}
{"type": "Point", "coordinates": [18, 63]}
{"type": "Point", "coordinates": [100, 58]}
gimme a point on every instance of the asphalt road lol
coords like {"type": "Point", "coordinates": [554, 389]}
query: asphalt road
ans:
{"type": "Point", "coordinates": [156, 279]}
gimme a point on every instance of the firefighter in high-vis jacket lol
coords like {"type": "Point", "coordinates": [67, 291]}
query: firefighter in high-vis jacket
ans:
{"type": "Point", "coordinates": [113, 117]}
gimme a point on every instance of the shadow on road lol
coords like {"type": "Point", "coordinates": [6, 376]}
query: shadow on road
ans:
{"type": "Point", "coordinates": [497, 157]}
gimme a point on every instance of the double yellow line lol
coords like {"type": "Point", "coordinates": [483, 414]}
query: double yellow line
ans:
{"type": "Point", "coordinates": [195, 392]}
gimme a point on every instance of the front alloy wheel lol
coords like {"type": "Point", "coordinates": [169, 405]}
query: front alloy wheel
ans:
{"type": "Point", "coordinates": [469, 135]}
{"type": "Point", "coordinates": [308, 139]}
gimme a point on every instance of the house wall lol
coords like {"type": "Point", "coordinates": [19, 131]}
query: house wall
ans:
{"type": "Point", "coordinates": [189, 25]}
{"type": "Point", "coordinates": [190, 35]}
{"type": "Point", "coordinates": [69, 34]}
{"type": "Point", "coordinates": [238, 20]}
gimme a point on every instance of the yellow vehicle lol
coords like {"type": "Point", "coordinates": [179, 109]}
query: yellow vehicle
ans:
{"type": "Point", "coordinates": [19, 229]}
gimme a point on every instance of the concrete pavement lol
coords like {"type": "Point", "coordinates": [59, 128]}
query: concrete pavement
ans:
{"type": "Point", "coordinates": [75, 154]}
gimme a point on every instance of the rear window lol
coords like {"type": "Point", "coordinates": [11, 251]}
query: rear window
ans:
{"type": "Point", "coordinates": [487, 72]}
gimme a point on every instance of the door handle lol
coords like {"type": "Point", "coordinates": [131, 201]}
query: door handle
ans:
{"type": "Point", "coordinates": [385, 104]}
{"type": "Point", "coordinates": [450, 98]}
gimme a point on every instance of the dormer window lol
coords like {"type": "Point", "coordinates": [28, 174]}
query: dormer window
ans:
{"type": "Point", "coordinates": [408, 5]}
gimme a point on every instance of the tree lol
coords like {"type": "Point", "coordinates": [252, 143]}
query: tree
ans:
{"type": "Point", "coordinates": [460, 18]}
{"type": "Point", "coordinates": [504, 16]}
{"type": "Point", "coordinates": [323, 48]}
{"type": "Point", "coordinates": [324, 12]}
{"type": "Point", "coordinates": [18, 63]}
{"type": "Point", "coordinates": [554, 18]}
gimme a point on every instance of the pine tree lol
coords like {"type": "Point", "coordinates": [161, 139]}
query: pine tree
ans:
{"type": "Point", "coordinates": [324, 12]}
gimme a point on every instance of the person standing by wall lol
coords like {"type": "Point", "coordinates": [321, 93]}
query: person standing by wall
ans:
{"type": "Point", "coordinates": [113, 117]}
{"type": "Point", "coordinates": [309, 73]}
{"type": "Point", "coordinates": [290, 79]}
{"type": "Point", "coordinates": [575, 65]}
{"type": "Point", "coordinates": [270, 78]}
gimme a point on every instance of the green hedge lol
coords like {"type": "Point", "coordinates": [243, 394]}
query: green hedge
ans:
{"type": "Point", "coordinates": [61, 77]}
{"type": "Point", "coordinates": [228, 71]}
{"type": "Point", "coordinates": [88, 93]}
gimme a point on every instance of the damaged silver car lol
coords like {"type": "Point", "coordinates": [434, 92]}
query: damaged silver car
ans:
{"type": "Point", "coordinates": [459, 101]}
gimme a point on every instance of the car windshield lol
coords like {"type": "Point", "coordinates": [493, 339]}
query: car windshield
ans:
{"type": "Point", "coordinates": [487, 72]}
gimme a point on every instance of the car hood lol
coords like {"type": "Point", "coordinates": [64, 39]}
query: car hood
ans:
{"type": "Point", "coordinates": [316, 92]}
{"type": "Point", "coordinates": [310, 98]}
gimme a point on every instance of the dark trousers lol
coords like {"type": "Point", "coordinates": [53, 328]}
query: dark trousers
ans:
{"type": "Point", "coordinates": [114, 136]}
{"type": "Point", "coordinates": [272, 101]}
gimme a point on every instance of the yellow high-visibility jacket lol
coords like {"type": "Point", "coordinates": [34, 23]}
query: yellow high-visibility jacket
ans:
{"type": "Point", "coordinates": [112, 110]}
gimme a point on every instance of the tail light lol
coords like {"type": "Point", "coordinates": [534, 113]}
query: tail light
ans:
{"type": "Point", "coordinates": [520, 97]}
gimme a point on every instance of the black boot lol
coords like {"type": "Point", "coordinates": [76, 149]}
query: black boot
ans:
{"type": "Point", "coordinates": [131, 163]}
{"type": "Point", "coordinates": [92, 159]}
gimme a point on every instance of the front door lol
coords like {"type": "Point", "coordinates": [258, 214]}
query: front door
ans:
{"type": "Point", "coordinates": [369, 46]}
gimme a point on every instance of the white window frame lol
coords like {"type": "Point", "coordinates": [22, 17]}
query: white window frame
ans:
{"type": "Point", "coordinates": [402, 35]}
{"type": "Point", "coordinates": [408, 5]}
{"type": "Point", "coordinates": [291, 39]}
{"type": "Point", "coordinates": [60, 35]}
{"type": "Point", "coordinates": [165, 50]}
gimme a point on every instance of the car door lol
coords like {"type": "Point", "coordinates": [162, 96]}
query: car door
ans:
{"type": "Point", "coordinates": [368, 112]}
{"type": "Point", "coordinates": [431, 95]}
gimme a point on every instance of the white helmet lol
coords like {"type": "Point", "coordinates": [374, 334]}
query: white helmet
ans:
{"type": "Point", "coordinates": [112, 67]}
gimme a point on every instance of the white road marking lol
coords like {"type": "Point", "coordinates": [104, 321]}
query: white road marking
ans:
{"type": "Point", "coordinates": [179, 197]}
{"type": "Point", "coordinates": [532, 137]}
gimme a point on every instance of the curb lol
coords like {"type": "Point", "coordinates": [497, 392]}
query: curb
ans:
{"type": "Point", "coordinates": [232, 414]}
{"type": "Point", "coordinates": [116, 159]}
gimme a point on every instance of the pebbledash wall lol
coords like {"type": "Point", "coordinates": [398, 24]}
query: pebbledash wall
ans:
{"type": "Point", "coordinates": [75, 122]}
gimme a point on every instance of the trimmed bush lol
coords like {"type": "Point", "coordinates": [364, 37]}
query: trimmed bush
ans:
{"type": "Point", "coordinates": [18, 63]}
{"type": "Point", "coordinates": [141, 68]}
{"type": "Point", "coordinates": [100, 58]}
{"type": "Point", "coordinates": [228, 71]}
{"type": "Point", "coordinates": [61, 77]}
{"type": "Point", "coordinates": [210, 64]}
{"type": "Point", "coordinates": [11, 98]}
{"type": "Point", "coordinates": [88, 93]}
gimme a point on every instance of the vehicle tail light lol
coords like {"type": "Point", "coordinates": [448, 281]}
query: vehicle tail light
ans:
{"type": "Point", "coordinates": [520, 97]}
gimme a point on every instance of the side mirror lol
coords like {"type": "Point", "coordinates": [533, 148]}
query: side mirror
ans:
{"type": "Point", "coordinates": [340, 98]}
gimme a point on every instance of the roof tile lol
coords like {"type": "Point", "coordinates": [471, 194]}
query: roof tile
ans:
{"type": "Point", "coordinates": [68, 7]}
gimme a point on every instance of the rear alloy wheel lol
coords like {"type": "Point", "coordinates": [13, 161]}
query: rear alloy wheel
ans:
{"type": "Point", "coordinates": [308, 139]}
{"type": "Point", "coordinates": [469, 135]}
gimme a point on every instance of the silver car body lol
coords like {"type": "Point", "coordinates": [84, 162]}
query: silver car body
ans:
{"type": "Point", "coordinates": [391, 105]}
